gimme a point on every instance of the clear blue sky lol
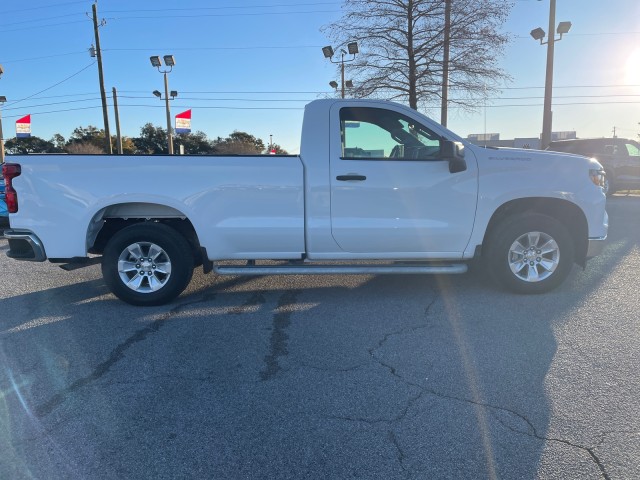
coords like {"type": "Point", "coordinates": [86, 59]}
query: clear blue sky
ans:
{"type": "Point", "coordinates": [251, 65]}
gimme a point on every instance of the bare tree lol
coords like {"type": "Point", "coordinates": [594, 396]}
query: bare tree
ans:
{"type": "Point", "coordinates": [402, 46]}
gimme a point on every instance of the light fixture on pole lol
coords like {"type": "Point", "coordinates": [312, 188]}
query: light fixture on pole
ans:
{"type": "Point", "coordinates": [352, 49]}
{"type": "Point", "coordinates": [539, 34]}
{"type": "Point", "coordinates": [3, 99]}
{"type": "Point", "coordinates": [169, 61]}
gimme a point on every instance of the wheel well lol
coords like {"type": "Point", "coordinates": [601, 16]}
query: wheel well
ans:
{"type": "Point", "coordinates": [111, 220]}
{"type": "Point", "coordinates": [569, 214]}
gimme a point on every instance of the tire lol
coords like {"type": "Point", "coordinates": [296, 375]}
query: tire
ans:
{"type": "Point", "coordinates": [161, 249]}
{"type": "Point", "coordinates": [530, 253]}
{"type": "Point", "coordinates": [609, 184]}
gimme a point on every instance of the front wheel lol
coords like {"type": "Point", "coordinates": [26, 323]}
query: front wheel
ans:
{"type": "Point", "coordinates": [147, 264]}
{"type": "Point", "coordinates": [530, 253]}
{"type": "Point", "coordinates": [609, 184]}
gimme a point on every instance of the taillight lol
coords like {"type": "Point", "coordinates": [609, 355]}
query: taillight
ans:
{"type": "Point", "coordinates": [9, 172]}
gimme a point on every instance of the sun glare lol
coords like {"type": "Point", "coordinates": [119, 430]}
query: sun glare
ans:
{"type": "Point", "coordinates": [632, 68]}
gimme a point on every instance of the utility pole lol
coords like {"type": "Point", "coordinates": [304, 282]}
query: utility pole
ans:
{"type": "Point", "coordinates": [445, 62]}
{"type": "Point", "coordinates": [103, 95]}
{"type": "Point", "coordinates": [115, 109]}
{"type": "Point", "coordinates": [614, 132]}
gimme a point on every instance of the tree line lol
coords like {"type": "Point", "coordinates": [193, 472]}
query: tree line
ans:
{"type": "Point", "coordinates": [152, 140]}
{"type": "Point", "coordinates": [403, 45]}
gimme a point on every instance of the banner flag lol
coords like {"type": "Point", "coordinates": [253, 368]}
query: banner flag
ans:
{"type": "Point", "coordinates": [183, 122]}
{"type": "Point", "coordinates": [23, 127]}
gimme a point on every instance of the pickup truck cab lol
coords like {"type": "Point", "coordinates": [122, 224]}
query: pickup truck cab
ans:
{"type": "Point", "coordinates": [377, 188]}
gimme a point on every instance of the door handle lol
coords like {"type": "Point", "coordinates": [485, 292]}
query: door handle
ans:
{"type": "Point", "coordinates": [344, 178]}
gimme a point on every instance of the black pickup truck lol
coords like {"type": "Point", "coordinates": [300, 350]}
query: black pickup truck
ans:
{"type": "Point", "coordinates": [620, 158]}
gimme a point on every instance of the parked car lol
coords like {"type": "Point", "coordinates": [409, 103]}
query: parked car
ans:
{"type": "Point", "coordinates": [620, 158]}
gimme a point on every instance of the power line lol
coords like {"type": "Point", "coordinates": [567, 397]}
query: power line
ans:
{"type": "Point", "coordinates": [156, 17]}
{"type": "Point", "coordinates": [218, 107]}
{"type": "Point", "coordinates": [45, 57]}
{"type": "Point", "coordinates": [283, 47]}
{"type": "Point", "coordinates": [237, 7]}
{"type": "Point", "coordinates": [592, 34]}
{"type": "Point", "coordinates": [52, 86]}
{"type": "Point", "coordinates": [41, 26]}
{"type": "Point", "coordinates": [56, 111]}
{"type": "Point", "coordinates": [36, 20]}
{"type": "Point", "coordinates": [55, 5]}
{"type": "Point", "coordinates": [50, 103]}
{"type": "Point", "coordinates": [156, 106]}
{"type": "Point", "coordinates": [305, 100]}
{"type": "Point", "coordinates": [193, 9]}
{"type": "Point", "coordinates": [570, 86]}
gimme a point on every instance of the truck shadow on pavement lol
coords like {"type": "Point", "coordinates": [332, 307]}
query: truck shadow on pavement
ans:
{"type": "Point", "coordinates": [290, 377]}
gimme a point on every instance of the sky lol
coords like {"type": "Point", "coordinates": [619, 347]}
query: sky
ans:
{"type": "Point", "coordinates": [252, 65]}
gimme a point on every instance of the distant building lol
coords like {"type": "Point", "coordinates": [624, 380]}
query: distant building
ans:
{"type": "Point", "coordinates": [484, 137]}
{"type": "Point", "coordinates": [493, 140]}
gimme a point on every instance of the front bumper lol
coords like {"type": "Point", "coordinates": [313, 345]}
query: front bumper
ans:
{"type": "Point", "coordinates": [25, 245]}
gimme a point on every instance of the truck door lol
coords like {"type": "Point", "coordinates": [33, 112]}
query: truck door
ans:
{"type": "Point", "coordinates": [392, 192]}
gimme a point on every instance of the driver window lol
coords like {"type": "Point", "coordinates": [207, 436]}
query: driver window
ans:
{"type": "Point", "coordinates": [379, 134]}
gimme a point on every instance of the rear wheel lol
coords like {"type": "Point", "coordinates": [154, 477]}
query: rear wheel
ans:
{"type": "Point", "coordinates": [147, 264]}
{"type": "Point", "coordinates": [530, 253]}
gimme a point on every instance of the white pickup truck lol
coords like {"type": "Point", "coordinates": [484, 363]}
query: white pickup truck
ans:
{"type": "Point", "coordinates": [377, 188]}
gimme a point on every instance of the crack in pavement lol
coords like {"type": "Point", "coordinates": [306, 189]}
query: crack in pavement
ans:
{"type": "Point", "coordinates": [119, 351]}
{"type": "Point", "coordinates": [531, 431]}
{"type": "Point", "coordinates": [279, 336]}
{"type": "Point", "coordinates": [394, 441]}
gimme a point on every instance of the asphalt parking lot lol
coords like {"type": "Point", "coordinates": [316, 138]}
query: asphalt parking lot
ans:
{"type": "Point", "coordinates": [381, 377]}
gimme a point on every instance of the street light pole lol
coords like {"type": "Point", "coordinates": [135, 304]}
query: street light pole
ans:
{"type": "Point", "coordinates": [328, 52]}
{"type": "Point", "coordinates": [166, 99]}
{"type": "Point", "coordinates": [547, 116]}
{"type": "Point", "coordinates": [342, 72]}
{"type": "Point", "coordinates": [169, 61]}
{"type": "Point", "coordinates": [539, 34]}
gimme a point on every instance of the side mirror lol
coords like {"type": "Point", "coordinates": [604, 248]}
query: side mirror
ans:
{"type": "Point", "coordinates": [453, 152]}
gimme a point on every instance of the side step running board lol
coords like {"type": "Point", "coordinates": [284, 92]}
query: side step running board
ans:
{"type": "Point", "coordinates": [310, 269]}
